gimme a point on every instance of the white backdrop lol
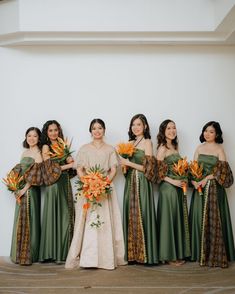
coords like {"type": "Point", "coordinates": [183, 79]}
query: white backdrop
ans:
{"type": "Point", "coordinates": [72, 84]}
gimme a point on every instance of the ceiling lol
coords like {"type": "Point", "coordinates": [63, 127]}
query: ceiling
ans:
{"type": "Point", "coordinates": [117, 22]}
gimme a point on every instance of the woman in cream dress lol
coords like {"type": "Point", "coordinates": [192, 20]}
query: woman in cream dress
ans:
{"type": "Point", "coordinates": [103, 246]}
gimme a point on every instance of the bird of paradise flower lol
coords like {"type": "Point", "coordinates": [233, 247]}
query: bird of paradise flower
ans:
{"type": "Point", "coordinates": [181, 169]}
{"type": "Point", "coordinates": [196, 170]}
{"type": "Point", "coordinates": [60, 150]}
{"type": "Point", "coordinates": [14, 182]}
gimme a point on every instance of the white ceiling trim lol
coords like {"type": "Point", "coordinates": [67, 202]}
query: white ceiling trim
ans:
{"type": "Point", "coordinates": [224, 34]}
{"type": "Point", "coordinates": [117, 38]}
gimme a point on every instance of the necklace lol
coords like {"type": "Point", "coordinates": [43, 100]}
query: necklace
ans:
{"type": "Point", "coordinates": [137, 143]}
{"type": "Point", "coordinates": [98, 146]}
{"type": "Point", "coordinates": [34, 151]}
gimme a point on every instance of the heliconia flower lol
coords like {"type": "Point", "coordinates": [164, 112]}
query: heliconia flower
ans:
{"type": "Point", "coordinates": [181, 169]}
{"type": "Point", "coordinates": [13, 181]}
{"type": "Point", "coordinates": [60, 149]}
{"type": "Point", "coordinates": [196, 171]}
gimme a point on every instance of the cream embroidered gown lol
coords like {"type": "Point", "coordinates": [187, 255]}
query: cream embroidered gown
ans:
{"type": "Point", "coordinates": [101, 247]}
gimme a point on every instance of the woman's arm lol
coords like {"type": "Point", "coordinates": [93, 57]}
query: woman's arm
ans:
{"type": "Point", "coordinates": [45, 152]}
{"type": "Point", "coordinates": [161, 154]}
{"type": "Point", "coordinates": [67, 166]}
{"type": "Point", "coordinates": [195, 157]}
{"type": "Point", "coordinates": [45, 156]}
{"type": "Point", "coordinates": [21, 192]}
{"type": "Point", "coordinates": [69, 159]}
{"type": "Point", "coordinates": [148, 149]}
{"type": "Point", "coordinates": [70, 163]}
{"type": "Point", "coordinates": [196, 153]}
{"type": "Point", "coordinates": [80, 171]}
{"type": "Point", "coordinates": [112, 173]}
{"type": "Point", "coordinates": [127, 162]}
{"type": "Point", "coordinates": [221, 154]}
{"type": "Point", "coordinates": [177, 183]}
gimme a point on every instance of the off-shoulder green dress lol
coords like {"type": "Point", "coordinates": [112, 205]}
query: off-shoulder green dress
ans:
{"type": "Point", "coordinates": [26, 228]}
{"type": "Point", "coordinates": [172, 216]}
{"type": "Point", "coordinates": [212, 241]}
{"type": "Point", "coordinates": [58, 214]}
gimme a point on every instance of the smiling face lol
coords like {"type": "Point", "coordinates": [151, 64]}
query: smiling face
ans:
{"type": "Point", "coordinates": [97, 131]}
{"type": "Point", "coordinates": [170, 132]}
{"type": "Point", "coordinates": [52, 132]}
{"type": "Point", "coordinates": [138, 127]}
{"type": "Point", "coordinates": [32, 138]}
{"type": "Point", "coordinates": [209, 134]}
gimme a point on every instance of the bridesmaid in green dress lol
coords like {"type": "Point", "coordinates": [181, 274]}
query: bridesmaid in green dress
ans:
{"type": "Point", "coordinates": [211, 230]}
{"type": "Point", "coordinates": [139, 219]}
{"type": "Point", "coordinates": [26, 230]}
{"type": "Point", "coordinates": [172, 214]}
{"type": "Point", "coordinates": [58, 212]}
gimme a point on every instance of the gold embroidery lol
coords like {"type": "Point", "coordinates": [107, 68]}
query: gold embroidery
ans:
{"type": "Point", "coordinates": [213, 252]}
{"type": "Point", "coordinates": [23, 254]}
{"type": "Point", "coordinates": [136, 239]}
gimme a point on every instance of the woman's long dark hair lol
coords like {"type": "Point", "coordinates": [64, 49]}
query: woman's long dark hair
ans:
{"type": "Point", "coordinates": [96, 120]}
{"type": "Point", "coordinates": [44, 138]}
{"type": "Point", "coordinates": [161, 138]}
{"type": "Point", "coordinates": [218, 132]}
{"type": "Point", "coordinates": [145, 124]}
{"type": "Point", "coordinates": [25, 143]}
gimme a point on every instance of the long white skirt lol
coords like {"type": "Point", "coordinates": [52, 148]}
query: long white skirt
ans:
{"type": "Point", "coordinates": [101, 247]}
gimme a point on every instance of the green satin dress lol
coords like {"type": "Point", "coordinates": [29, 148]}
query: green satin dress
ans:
{"type": "Point", "coordinates": [57, 220]}
{"type": "Point", "coordinates": [172, 218]}
{"type": "Point", "coordinates": [139, 219]}
{"type": "Point", "coordinates": [197, 208]}
{"type": "Point", "coordinates": [26, 228]}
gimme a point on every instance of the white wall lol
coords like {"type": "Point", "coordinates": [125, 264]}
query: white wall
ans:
{"type": "Point", "coordinates": [191, 85]}
{"type": "Point", "coordinates": [73, 15]}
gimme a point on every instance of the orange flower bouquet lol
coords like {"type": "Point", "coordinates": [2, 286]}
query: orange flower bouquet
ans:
{"type": "Point", "coordinates": [60, 150]}
{"type": "Point", "coordinates": [125, 150]}
{"type": "Point", "coordinates": [196, 172]}
{"type": "Point", "coordinates": [14, 182]}
{"type": "Point", "coordinates": [94, 186]}
{"type": "Point", "coordinates": [181, 170]}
